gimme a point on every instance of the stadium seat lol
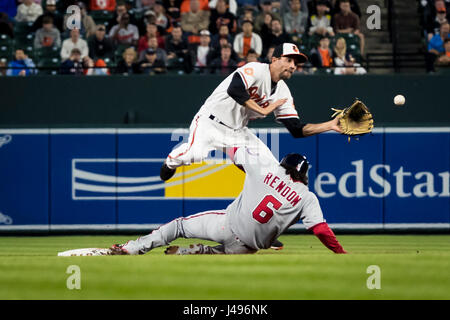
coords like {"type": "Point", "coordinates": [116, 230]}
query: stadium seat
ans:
{"type": "Point", "coordinates": [22, 29]}
{"type": "Point", "coordinates": [101, 16]}
{"type": "Point", "coordinates": [6, 52]}
{"type": "Point", "coordinates": [5, 40]}
{"type": "Point", "coordinates": [47, 52]}
{"type": "Point", "coordinates": [53, 63]}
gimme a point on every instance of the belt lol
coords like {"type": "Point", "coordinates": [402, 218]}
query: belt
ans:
{"type": "Point", "coordinates": [214, 118]}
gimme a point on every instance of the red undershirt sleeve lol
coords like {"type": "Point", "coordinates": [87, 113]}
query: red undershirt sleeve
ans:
{"type": "Point", "coordinates": [327, 237]}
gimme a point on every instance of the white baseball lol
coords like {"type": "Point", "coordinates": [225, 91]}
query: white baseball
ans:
{"type": "Point", "coordinates": [399, 100]}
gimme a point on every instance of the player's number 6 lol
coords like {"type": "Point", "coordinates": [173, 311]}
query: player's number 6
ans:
{"type": "Point", "coordinates": [263, 213]}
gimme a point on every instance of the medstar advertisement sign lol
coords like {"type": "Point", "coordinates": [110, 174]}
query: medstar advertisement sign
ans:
{"type": "Point", "coordinates": [109, 178]}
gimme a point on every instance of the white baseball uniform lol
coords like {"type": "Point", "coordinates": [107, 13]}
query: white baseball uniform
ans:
{"type": "Point", "coordinates": [221, 121]}
{"type": "Point", "coordinates": [269, 203]}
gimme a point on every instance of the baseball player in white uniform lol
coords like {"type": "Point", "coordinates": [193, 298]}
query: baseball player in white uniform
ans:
{"type": "Point", "coordinates": [275, 196]}
{"type": "Point", "coordinates": [252, 91]}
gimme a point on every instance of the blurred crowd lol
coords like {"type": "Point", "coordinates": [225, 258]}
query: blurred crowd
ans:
{"type": "Point", "coordinates": [435, 22]}
{"type": "Point", "coordinates": [103, 37]}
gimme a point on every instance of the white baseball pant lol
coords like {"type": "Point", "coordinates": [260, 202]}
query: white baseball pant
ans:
{"type": "Point", "coordinates": [206, 135]}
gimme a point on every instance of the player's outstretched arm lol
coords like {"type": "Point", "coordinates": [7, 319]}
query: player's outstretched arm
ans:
{"type": "Point", "coordinates": [300, 130]}
{"type": "Point", "coordinates": [311, 129]}
{"type": "Point", "coordinates": [327, 237]}
{"type": "Point", "coordinates": [252, 105]}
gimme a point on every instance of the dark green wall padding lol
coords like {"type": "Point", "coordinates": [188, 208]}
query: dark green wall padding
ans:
{"type": "Point", "coordinates": [172, 100]}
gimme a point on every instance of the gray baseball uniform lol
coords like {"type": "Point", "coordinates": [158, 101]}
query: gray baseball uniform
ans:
{"type": "Point", "coordinates": [269, 203]}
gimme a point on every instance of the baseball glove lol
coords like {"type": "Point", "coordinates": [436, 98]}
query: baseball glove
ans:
{"type": "Point", "coordinates": [354, 120]}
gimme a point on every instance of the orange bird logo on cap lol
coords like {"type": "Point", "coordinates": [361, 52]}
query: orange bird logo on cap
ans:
{"type": "Point", "coordinates": [295, 48]}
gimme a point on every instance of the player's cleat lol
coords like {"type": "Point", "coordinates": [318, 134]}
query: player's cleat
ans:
{"type": "Point", "coordinates": [193, 249]}
{"type": "Point", "coordinates": [277, 245]}
{"type": "Point", "coordinates": [166, 173]}
{"type": "Point", "coordinates": [118, 249]}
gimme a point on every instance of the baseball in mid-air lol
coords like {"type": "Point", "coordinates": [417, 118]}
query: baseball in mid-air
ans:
{"type": "Point", "coordinates": [399, 100]}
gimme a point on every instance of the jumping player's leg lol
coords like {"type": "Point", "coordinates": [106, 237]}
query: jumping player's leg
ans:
{"type": "Point", "coordinates": [201, 134]}
{"type": "Point", "coordinates": [208, 225]}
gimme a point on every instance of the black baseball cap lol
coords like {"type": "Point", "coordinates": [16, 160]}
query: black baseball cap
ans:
{"type": "Point", "coordinates": [289, 50]}
{"type": "Point", "coordinates": [150, 51]}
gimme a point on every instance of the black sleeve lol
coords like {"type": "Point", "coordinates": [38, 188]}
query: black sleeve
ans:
{"type": "Point", "coordinates": [237, 90]}
{"type": "Point", "coordinates": [294, 126]}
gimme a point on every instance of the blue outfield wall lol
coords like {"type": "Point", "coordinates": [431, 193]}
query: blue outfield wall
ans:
{"type": "Point", "coordinates": [108, 179]}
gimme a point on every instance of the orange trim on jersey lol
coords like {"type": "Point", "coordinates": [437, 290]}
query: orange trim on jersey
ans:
{"type": "Point", "coordinates": [246, 84]}
{"type": "Point", "coordinates": [193, 139]}
{"type": "Point", "coordinates": [287, 115]}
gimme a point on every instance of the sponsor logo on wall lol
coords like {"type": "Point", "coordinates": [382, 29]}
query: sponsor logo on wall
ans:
{"type": "Point", "coordinates": [5, 139]}
{"type": "Point", "coordinates": [4, 219]}
{"type": "Point", "coordinates": [112, 179]}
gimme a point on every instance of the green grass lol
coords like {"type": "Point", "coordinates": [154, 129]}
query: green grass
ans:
{"type": "Point", "coordinates": [412, 267]}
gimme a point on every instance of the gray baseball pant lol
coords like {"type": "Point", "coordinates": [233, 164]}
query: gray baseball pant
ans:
{"type": "Point", "coordinates": [208, 225]}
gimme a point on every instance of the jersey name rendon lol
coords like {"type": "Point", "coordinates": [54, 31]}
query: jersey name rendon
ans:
{"type": "Point", "coordinates": [281, 187]}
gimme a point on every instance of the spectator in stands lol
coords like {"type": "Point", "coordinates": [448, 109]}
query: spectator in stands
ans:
{"type": "Point", "coordinates": [343, 61]}
{"type": "Point", "coordinates": [200, 53]}
{"type": "Point", "coordinates": [320, 22]}
{"type": "Point", "coordinates": [21, 61]}
{"type": "Point", "coordinates": [268, 57]}
{"type": "Point", "coordinates": [434, 25]}
{"type": "Point", "coordinates": [224, 64]}
{"type": "Point", "coordinates": [74, 64]}
{"type": "Point", "coordinates": [336, 7]}
{"type": "Point", "coordinates": [247, 15]}
{"type": "Point", "coordinates": [232, 6]}
{"type": "Point", "coordinates": [216, 50]}
{"type": "Point", "coordinates": [251, 4]}
{"type": "Point", "coordinates": [172, 10]}
{"type": "Point", "coordinates": [108, 5]}
{"type": "Point", "coordinates": [252, 56]}
{"type": "Point", "coordinates": [312, 6]}
{"type": "Point", "coordinates": [285, 6]}
{"type": "Point", "coordinates": [144, 5]}
{"type": "Point", "coordinates": [48, 35]}
{"type": "Point", "coordinates": [151, 31]}
{"type": "Point", "coordinates": [267, 8]}
{"type": "Point", "coordinates": [161, 19]}
{"type": "Point", "coordinates": [28, 11]}
{"type": "Point", "coordinates": [151, 64]}
{"type": "Point", "coordinates": [152, 43]}
{"type": "Point", "coordinates": [247, 40]}
{"type": "Point", "coordinates": [124, 33]}
{"type": "Point", "coordinates": [87, 24]}
{"type": "Point", "coordinates": [276, 36]}
{"type": "Point", "coordinates": [444, 59]}
{"type": "Point", "coordinates": [127, 65]}
{"type": "Point", "coordinates": [195, 19]}
{"type": "Point", "coordinates": [176, 44]}
{"type": "Point", "coordinates": [348, 22]}
{"type": "Point", "coordinates": [321, 57]}
{"type": "Point", "coordinates": [9, 7]}
{"type": "Point", "coordinates": [50, 10]}
{"type": "Point", "coordinates": [221, 15]}
{"type": "Point", "coordinates": [97, 68]}
{"type": "Point", "coordinates": [6, 26]}
{"type": "Point", "coordinates": [436, 46]}
{"type": "Point", "coordinates": [186, 6]}
{"type": "Point", "coordinates": [100, 46]}
{"type": "Point", "coordinates": [295, 20]}
{"type": "Point", "coordinates": [74, 41]}
{"type": "Point", "coordinates": [224, 33]}
{"type": "Point", "coordinates": [121, 9]}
